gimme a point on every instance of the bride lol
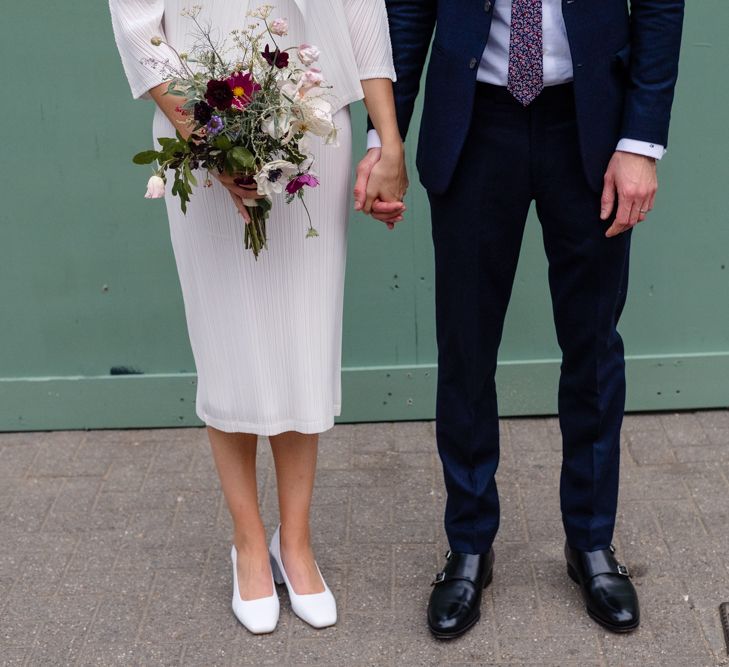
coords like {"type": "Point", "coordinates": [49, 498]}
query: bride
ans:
{"type": "Point", "coordinates": [266, 335]}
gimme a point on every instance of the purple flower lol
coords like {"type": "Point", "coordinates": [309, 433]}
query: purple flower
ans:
{"type": "Point", "coordinates": [214, 125]}
{"type": "Point", "coordinates": [300, 181]}
{"type": "Point", "coordinates": [275, 58]}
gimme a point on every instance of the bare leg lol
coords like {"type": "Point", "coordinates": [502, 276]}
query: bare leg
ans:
{"type": "Point", "coordinates": [295, 457]}
{"type": "Point", "coordinates": [235, 459]}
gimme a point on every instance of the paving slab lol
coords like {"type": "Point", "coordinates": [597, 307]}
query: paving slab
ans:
{"type": "Point", "coordinates": [114, 550]}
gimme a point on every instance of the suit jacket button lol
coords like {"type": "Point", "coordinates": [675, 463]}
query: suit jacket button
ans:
{"type": "Point", "coordinates": [473, 63]}
{"type": "Point", "coordinates": [487, 6]}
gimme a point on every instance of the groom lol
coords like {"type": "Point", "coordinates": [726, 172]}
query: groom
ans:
{"type": "Point", "coordinates": [565, 103]}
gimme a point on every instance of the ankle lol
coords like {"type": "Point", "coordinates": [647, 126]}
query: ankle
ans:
{"type": "Point", "coordinates": [250, 543]}
{"type": "Point", "coordinates": [295, 541]}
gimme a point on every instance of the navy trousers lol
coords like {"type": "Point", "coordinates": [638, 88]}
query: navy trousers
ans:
{"type": "Point", "coordinates": [513, 156]}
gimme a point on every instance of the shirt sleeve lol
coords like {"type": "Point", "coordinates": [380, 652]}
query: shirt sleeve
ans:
{"type": "Point", "coordinates": [370, 34]}
{"type": "Point", "coordinates": [373, 139]}
{"type": "Point", "coordinates": [135, 23]}
{"type": "Point", "coordinates": [646, 148]}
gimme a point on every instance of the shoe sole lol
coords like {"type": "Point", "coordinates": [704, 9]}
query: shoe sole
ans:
{"type": "Point", "coordinates": [620, 629]}
{"type": "Point", "coordinates": [462, 631]}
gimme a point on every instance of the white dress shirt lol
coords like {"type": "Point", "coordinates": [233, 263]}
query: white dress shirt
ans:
{"type": "Point", "coordinates": [494, 68]}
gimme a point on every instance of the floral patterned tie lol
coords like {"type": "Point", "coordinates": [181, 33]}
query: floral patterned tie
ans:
{"type": "Point", "coordinates": [526, 58]}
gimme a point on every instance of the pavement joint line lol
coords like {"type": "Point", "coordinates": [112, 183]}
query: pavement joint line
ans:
{"type": "Point", "coordinates": [642, 536]}
{"type": "Point", "coordinates": [697, 510]}
{"type": "Point", "coordinates": [84, 640]}
{"type": "Point", "coordinates": [49, 509]}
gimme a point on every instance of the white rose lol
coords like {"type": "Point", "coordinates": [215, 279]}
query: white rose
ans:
{"type": "Point", "coordinates": [155, 188]}
{"type": "Point", "coordinates": [317, 116]}
{"type": "Point", "coordinates": [308, 54]}
{"type": "Point", "coordinates": [280, 27]}
{"type": "Point", "coordinates": [277, 126]}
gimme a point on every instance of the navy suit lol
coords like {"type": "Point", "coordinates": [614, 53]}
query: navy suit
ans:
{"type": "Point", "coordinates": [483, 159]}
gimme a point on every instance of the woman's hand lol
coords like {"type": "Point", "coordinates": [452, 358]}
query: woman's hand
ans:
{"type": "Point", "coordinates": [240, 188]}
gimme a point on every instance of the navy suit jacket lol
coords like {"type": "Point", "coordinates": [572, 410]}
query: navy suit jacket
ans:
{"type": "Point", "coordinates": [625, 70]}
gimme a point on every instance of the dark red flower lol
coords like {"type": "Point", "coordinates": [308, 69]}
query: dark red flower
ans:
{"type": "Point", "coordinates": [203, 113]}
{"type": "Point", "coordinates": [219, 94]}
{"type": "Point", "coordinates": [276, 58]}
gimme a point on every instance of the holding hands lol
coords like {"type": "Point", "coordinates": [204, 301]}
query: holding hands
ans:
{"type": "Point", "coordinates": [381, 184]}
{"type": "Point", "coordinates": [382, 177]}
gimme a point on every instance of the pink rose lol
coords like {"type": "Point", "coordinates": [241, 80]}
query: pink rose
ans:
{"type": "Point", "coordinates": [280, 27]}
{"type": "Point", "coordinates": [310, 79]}
{"type": "Point", "coordinates": [308, 54]}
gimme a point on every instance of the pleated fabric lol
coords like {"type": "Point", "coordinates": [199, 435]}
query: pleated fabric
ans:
{"type": "Point", "coordinates": [353, 36]}
{"type": "Point", "coordinates": [266, 335]}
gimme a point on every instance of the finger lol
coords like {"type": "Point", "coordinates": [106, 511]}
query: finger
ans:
{"type": "Point", "coordinates": [634, 215]}
{"type": "Point", "coordinates": [652, 202]}
{"type": "Point", "coordinates": [622, 217]}
{"type": "Point", "coordinates": [364, 169]}
{"type": "Point", "coordinates": [245, 193]}
{"type": "Point", "coordinates": [607, 201]}
{"type": "Point", "coordinates": [360, 189]}
{"type": "Point", "coordinates": [644, 210]}
{"type": "Point", "coordinates": [241, 207]}
{"type": "Point", "coordinates": [389, 223]}
{"type": "Point", "coordinates": [625, 207]}
{"type": "Point", "coordinates": [387, 207]}
{"type": "Point", "coordinates": [388, 219]}
{"type": "Point", "coordinates": [367, 208]}
{"type": "Point", "coordinates": [616, 229]}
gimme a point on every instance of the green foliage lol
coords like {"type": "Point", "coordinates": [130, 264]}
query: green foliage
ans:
{"type": "Point", "coordinates": [145, 157]}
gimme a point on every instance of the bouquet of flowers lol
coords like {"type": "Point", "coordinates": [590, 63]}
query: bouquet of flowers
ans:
{"type": "Point", "coordinates": [251, 105]}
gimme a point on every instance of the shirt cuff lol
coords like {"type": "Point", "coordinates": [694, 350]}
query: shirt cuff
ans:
{"type": "Point", "coordinates": [641, 148]}
{"type": "Point", "coordinates": [373, 140]}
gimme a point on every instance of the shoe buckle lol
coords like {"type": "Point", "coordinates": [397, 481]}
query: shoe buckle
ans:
{"type": "Point", "coordinates": [439, 578]}
{"type": "Point", "coordinates": [448, 555]}
{"type": "Point", "coordinates": [623, 570]}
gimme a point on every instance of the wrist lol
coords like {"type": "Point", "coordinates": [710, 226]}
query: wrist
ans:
{"type": "Point", "coordinates": [393, 150]}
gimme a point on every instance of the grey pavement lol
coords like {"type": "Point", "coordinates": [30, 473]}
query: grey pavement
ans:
{"type": "Point", "coordinates": [114, 550]}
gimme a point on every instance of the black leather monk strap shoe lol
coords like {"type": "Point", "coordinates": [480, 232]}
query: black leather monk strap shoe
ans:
{"type": "Point", "coordinates": [455, 603]}
{"type": "Point", "coordinates": [610, 597]}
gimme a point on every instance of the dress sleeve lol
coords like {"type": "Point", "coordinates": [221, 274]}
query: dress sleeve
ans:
{"type": "Point", "coordinates": [370, 34]}
{"type": "Point", "coordinates": [135, 23]}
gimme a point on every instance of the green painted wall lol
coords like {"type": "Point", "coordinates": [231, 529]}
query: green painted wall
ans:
{"type": "Point", "coordinates": [87, 278]}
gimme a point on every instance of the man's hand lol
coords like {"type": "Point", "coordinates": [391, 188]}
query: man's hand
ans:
{"type": "Point", "coordinates": [633, 178]}
{"type": "Point", "coordinates": [388, 212]}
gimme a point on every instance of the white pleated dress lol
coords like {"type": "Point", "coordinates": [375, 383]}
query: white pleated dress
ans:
{"type": "Point", "coordinates": [266, 335]}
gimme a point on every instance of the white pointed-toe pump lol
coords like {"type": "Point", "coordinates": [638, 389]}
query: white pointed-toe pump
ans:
{"type": "Point", "coordinates": [317, 609]}
{"type": "Point", "coordinates": [259, 616]}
